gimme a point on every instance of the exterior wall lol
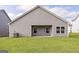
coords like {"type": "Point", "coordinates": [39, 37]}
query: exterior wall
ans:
{"type": "Point", "coordinates": [69, 30]}
{"type": "Point", "coordinates": [4, 20]}
{"type": "Point", "coordinates": [37, 17]}
{"type": "Point", "coordinates": [75, 25]}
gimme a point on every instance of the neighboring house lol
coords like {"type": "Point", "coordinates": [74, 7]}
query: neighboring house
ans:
{"type": "Point", "coordinates": [39, 22]}
{"type": "Point", "coordinates": [4, 20]}
{"type": "Point", "coordinates": [75, 25]}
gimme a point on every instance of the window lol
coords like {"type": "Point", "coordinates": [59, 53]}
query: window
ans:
{"type": "Point", "coordinates": [62, 29]}
{"type": "Point", "coordinates": [35, 30]}
{"type": "Point", "coordinates": [47, 30]}
{"type": "Point", "coordinates": [57, 29]}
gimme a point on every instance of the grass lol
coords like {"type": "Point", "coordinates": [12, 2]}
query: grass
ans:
{"type": "Point", "coordinates": [41, 44]}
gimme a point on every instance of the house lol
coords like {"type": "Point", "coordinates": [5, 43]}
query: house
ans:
{"type": "Point", "coordinates": [4, 20]}
{"type": "Point", "coordinates": [39, 22]}
{"type": "Point", "coordinates": [75, 25]}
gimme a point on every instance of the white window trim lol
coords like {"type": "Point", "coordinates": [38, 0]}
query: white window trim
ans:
{"type": "Point", "coordinates": [60, 29]}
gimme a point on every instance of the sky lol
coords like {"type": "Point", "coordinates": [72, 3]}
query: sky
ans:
{"type": "Point", "coordinates": [68, 12]}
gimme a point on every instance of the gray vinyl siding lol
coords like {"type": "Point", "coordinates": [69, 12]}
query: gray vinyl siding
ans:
{"type": "Point", "coordinates": [4, 27]}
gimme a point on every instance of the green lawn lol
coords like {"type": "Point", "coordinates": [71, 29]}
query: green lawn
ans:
{"type": "Point", "coordinates": [40, 44]}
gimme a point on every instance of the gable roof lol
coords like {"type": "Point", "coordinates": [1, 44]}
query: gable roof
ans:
{"type": "Point", "coordinates": [2, 10]}
{"type": "Point", "coordinates": [60, 18]}
{"type": "Point", "coordinates": [75, 18]}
